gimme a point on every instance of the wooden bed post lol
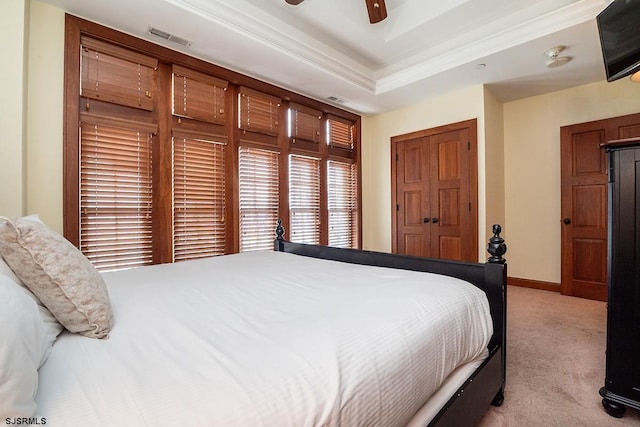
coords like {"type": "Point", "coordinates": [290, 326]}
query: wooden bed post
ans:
{"type": "Point", "coordinates": [496, 246]}
{"type": "Point", "coordinates": [279, 230]}
{"type": "Point", "coordinates": [277, 244]}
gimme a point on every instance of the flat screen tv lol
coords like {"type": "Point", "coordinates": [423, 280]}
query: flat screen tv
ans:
{"type": "Point", "coordinates": [619, 28]}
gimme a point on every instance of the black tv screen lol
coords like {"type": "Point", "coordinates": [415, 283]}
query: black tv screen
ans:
{"type": "Point", "coordinates": [619, 28]}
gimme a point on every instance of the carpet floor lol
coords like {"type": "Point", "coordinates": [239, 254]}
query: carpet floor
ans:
{"type": "Point", "coordinates": [555, 363]}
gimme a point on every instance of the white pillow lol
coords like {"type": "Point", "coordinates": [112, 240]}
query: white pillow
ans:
{"type": "Point", "coordinates": [25, 345]}
{"type": "Point", "coordinates": [7, 271]}
{"type": "Point", "coordinates": [53, 326]}
{"type": "Point", "coordinates": [58, 274]}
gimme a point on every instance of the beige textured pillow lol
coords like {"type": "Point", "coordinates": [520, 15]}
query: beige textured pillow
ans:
{"type": "Point", "coordinates": [58, 274]}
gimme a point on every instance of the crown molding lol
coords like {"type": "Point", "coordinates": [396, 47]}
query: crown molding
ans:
{"type": "Point", "coordinates": [546, 24]}
{"type": "Point", "coordinates": [255, 24]}
{"type": "Point", "coordinates": [263, 28]}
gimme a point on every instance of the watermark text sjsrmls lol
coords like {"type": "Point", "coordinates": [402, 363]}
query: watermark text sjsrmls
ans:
{"type": "Point", "coordinates": [25, 421]}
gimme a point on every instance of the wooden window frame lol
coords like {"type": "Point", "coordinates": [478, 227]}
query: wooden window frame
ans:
{"type": "Point", "coordinates": [161, 116]}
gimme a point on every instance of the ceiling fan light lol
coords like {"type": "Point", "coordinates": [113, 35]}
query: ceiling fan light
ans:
{"type": "Point", "coordinates": [558, 62]}
{"type": "Point", "coordinates": [635, 77]}
{"type": "Point", "coordinates": [554, 59]}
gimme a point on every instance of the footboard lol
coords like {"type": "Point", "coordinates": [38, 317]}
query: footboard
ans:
{"type": "Point", "coordinates": [486, 384]}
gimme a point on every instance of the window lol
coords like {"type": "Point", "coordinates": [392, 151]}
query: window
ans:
{"type": "Point", "coordinates": [340, 133]}
{"type": "Point", "coordinates": [258, 112]}
{"type": "Point", "coordinates": [259, 198]}
{"type": "Point", "coordinates": [343, 214]}
{"type": "Point", "coordinates": [169, 158]}
{"type": "Point", "coordinates": [198, 96]}
{"type": "Point", "coordinates": [116, 75]}
{"type": "Point", "coordinates": [115, 193]}
{"type": "Point", "coordinates": [198, 197]}
{"type": "Point", "coordinates": [304, 199]}
{"type": "Point", "coordinates": [304, 124]}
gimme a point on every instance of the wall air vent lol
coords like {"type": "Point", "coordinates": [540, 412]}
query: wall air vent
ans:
{"type": "Point", "coordinates": [168, 36]}
{"type": "Point", "coordinates": [336, 99]}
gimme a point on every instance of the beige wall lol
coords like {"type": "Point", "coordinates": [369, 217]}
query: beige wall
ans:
{"type": "Point", "coordinates": [13, 118]}
{"type": "Point", "coordinates": [32, 37]}
{"type": "Point", "coordinates": [494, 166]}
{"type": "Point", "coordinates": [45, 103]}
{"type": "Point", "coordinates": [532, 168]}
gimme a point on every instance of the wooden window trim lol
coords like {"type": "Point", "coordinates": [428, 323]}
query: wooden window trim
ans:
{"type": "Point", "coordinates": [76, 28]}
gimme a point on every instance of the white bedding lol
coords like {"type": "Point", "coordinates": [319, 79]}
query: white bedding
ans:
{"type": "Point", "coordinates": [265, 339]}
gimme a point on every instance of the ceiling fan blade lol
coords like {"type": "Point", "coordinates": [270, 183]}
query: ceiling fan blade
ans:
{"type": "Point", "coordinates": [294, 2]}
{"type": "Point", "coordinates": [377, 10]}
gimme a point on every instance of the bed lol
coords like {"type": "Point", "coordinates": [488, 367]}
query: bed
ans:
{"type": "Point", "coordinates": [303, 335]}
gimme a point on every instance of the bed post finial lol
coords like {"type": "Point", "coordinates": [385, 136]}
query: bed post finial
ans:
{"type": "Point", "coordinates": [279, 230]}
{"type": "Point", "coordinates": [496, 246]}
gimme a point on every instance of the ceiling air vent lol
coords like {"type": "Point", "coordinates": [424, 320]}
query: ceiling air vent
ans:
{"type": "Point", "coordinates": [168, 36]}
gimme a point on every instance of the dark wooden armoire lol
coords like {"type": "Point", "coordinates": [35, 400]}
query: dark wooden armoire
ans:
{"type": "Point", "coordinates": [622, 378]}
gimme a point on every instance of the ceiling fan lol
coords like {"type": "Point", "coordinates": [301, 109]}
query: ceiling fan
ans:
{"type": "Point", "coordinates": [376, 9]}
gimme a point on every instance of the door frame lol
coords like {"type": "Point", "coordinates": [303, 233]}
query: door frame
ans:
{"type": "Point", "coordinates": [472, 126]}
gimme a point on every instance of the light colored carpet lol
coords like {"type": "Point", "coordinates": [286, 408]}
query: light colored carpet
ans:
{"type": "Point", "coordinates": [555, 363]}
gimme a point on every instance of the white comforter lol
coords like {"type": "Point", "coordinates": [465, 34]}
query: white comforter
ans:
{"type": "Point", "coordinates": [265, 339]}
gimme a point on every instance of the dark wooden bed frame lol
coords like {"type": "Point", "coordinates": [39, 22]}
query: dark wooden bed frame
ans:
{"type": "Point", "coordinates": [486, 385]}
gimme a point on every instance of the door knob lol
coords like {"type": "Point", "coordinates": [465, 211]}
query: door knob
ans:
{"type": "Point", "coordinates": [425, 220]}
{"type": "Point", "coordinates": [567, 221]}
{"type": "Point", "coordinates": [434, 220]}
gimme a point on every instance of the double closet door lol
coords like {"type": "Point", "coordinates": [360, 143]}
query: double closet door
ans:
{"type": "Point", "coordinates": [434, 191]}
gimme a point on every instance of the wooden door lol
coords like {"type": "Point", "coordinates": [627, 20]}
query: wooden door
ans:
{"type": "Point", "coordinates": [414, 206]}
{"type": "Point", "coordinates": [450, 191]}
{"type": "Point", "coordinates": [434, 191]}
{"type": "Point", "coordinates": [584, 203]}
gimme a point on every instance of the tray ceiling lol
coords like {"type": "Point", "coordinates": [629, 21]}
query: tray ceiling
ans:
{"type": "Point", "coordinates": [328, 50]}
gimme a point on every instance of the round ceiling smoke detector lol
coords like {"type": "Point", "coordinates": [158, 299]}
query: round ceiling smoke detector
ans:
{"type": "Point", "coordinates": [554, 60]}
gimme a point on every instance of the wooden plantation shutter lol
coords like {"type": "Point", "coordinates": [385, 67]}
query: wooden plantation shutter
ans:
{"type": "Point", "coordinates": [304, 199]}
{"type": "Point", "coordinates": [343, 204]}
{"type": "Point", "coordinates": [259, 198]}
{"type": "Point", "coordinates": [115, 192]}
{"type": "Point", "coordinates": [198, 197]}
{"type": "Point", "coordinates": [258, 112]}
{"type": "Point", "coordinates": [340, 132]}
{"type": "Point", "coordinates": [198, 96]}
{"type": "Point", "coordinates": [304, 123]}
{"type": "Point", "coordinates": [116, 75]}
